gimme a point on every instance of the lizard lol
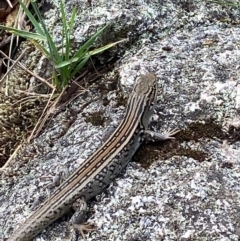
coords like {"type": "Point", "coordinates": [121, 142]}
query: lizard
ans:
{"type": "Point", "coordinates": [102, 167]}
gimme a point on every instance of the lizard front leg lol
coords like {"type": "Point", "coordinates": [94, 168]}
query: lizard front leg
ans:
{"type": "Point", "coordinates": [152, 136]}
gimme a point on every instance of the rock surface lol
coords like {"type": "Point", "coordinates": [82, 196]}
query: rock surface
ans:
{"type": "Point", "coordinates": [185, 189]}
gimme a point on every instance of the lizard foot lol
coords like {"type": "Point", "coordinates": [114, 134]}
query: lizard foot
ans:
{"type": "Point", "coordinates": [84, 227]}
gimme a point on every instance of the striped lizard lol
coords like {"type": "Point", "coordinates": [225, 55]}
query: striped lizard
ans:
{"type": "Point", "coordinates": [102, 167]}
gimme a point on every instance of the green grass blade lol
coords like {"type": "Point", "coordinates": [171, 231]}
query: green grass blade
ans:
{"type": "Point", "coordinates": [65, 33]}
{"type": "Point", "coordinates": [32, 19]}
{"type": "Point", "coordinates": [83, 49]}
{"type": "Point", "coordinates": [53, 52]}
{"type": "Point", "coordinates": [41, 47]}
{"type": "Point", "coordinates": [64, 77]}
{"type": "Point", "coordinates": [103, 48]}
{"type": "Point", "coordinates": [79, 67]}
{"type": "Point", "coordinates": [68, 62]}
{"type": "Point", "coordinates": [39, 16]}
{"type": "Point", "coordinates": [24, 33]}
{"type": "Point", "coordinates": [93, 52]}
{"type": "Point", "coordinates": [55, 80]}
{"type": "Point", "coordinates": [64, 19]}
{"type": "Point", "coordinates": [72, 20]}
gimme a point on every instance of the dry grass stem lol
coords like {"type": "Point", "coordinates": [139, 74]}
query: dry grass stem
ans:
{"type": "Point", "coordinates": [9, 3]}
{"type": "Point", "coordinates": [6, 74]}
{"type": "Point", "coordinates": [10, 159]}
{"type": "Point", "coordinates": [49, 109]}
{"type": "Point", "coordinates": [33, 94]}
{"type": "Point", "coordinates": [24, 68]}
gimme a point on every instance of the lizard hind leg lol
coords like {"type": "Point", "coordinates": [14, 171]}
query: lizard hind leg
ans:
{"type": "Point", "coordinates": [80, 216]}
